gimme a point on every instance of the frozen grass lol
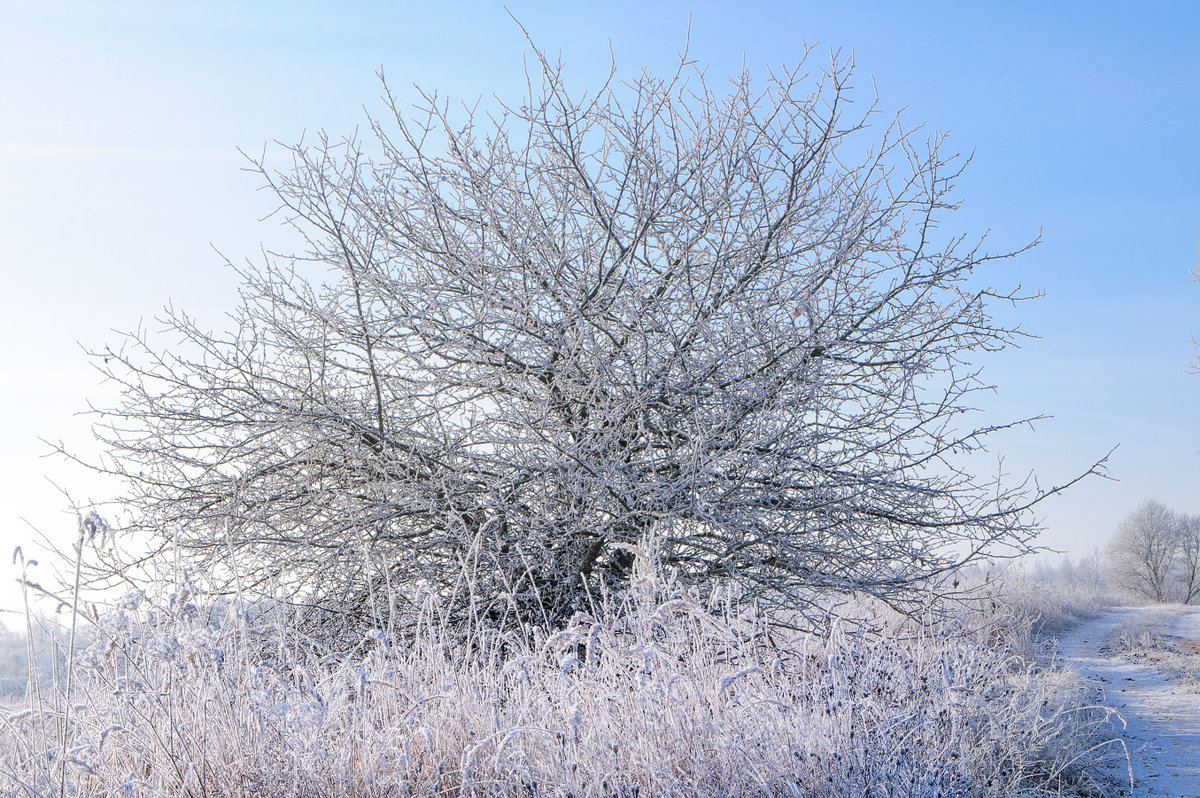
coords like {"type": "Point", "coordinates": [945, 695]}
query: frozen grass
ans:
{"type": "Point", "coordinates": [661, 699]}
{"type": "Point", "coordinates": [1145, 638]}
{"type": "Point", "coordinates": [1030, 607]}
{"type": "Point", "coordinates": [1142, 632]}
{"type": "Point", "coordinates": [1053, 608]}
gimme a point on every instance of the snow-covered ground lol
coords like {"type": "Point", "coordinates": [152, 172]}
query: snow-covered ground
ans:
{"type": "Point", "coordinates": [1160, 705]}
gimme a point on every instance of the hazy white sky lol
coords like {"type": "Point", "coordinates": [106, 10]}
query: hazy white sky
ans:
{"type": "Point", "coordinates": [119, 174]}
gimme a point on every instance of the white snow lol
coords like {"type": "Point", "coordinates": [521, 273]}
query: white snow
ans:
{"type": "Point", "coordinates": [1161, 715]}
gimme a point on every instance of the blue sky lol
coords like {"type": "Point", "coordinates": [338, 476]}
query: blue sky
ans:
{"type": "Point", "coordinates": [119, 174]}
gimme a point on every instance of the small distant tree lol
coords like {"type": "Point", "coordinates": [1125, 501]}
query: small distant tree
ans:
{"type": "Point", "coordinates": [1143, 555]}
{"type": "Point", "coordinates": [720, 331]}
{"type": "Point", "coordinates": [1189, 558]}
{"type": "Point", "coordinates": [1090, 570]}
{"type": "Point", "coordinates": [13, 664]}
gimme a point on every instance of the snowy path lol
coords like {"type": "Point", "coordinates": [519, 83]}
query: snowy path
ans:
{"type": "Point", "coordinates": [1163, 731]}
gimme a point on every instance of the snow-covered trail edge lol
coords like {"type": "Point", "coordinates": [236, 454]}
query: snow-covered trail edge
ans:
{"type": "Point", "coordinates": [1162, 718]}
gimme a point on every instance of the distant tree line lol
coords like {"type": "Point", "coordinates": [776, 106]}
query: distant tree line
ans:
{"type": "Point", "coordinates": [14, 665]}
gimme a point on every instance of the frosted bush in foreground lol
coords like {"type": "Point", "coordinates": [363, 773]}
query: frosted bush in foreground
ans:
{"type": "Point", "coordinates": [667, 699]}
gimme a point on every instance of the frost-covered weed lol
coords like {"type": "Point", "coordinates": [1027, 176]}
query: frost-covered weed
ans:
{"type": "Point", "coordinates": [668, 700]}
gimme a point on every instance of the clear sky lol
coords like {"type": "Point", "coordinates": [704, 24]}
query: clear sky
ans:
{"type": "Point", "coordinates": [119, 175]}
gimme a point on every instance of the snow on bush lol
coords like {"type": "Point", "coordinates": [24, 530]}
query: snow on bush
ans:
{"type": "Point", "coordinates": [666, 699]}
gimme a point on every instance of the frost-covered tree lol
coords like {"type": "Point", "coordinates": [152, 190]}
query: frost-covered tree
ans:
{"type": "Point", "coordinates": [720, 330]}
{"type": "Point", "coordinates": [1188, 568]}
{"type": "Point", "coordinates": [1143, 555]}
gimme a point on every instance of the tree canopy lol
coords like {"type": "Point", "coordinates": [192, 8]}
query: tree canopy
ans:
{"type": "Point", "coordinates": [717, 330]}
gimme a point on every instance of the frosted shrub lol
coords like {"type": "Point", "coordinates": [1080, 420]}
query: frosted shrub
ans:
{"type": "Point", "coordinates": [663, 701]}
